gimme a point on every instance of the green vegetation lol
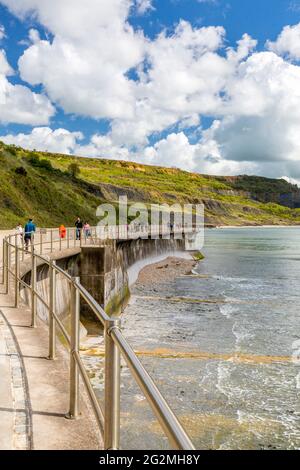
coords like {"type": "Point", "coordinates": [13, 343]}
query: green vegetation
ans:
{"type": "Point", "coordinates": [198, 256]}
{"type": "Point", "coordinates": [74, 170]}
{"type": "Point", "coordinates": [55, 188]}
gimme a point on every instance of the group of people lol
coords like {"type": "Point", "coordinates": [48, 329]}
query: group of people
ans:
{"type": "Point", "coordinates": [84, 228]}
{"type": "Point", "coordinates": [81, 227]}
{"type": "Point", "coordinates": [25, 235]}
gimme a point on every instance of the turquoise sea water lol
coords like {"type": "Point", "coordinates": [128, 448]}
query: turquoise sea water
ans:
{"type": "Point", "coordinates": [243, 391]}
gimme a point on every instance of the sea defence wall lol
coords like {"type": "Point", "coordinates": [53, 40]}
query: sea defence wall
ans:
{"type": "Point", "coordinates": [68, 261]}
{"type": "Point", "coordinates": [103, 270]}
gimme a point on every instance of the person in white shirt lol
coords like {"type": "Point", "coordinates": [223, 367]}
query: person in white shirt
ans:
{"type": "Point", "coordinates": [20, 233]}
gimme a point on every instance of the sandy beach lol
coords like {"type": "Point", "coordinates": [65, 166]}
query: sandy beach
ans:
{"type": "Point", "coordinates": [165, 271]}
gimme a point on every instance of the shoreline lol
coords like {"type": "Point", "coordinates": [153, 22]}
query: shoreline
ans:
{"type": "Point", "coordinates": [165, 270]}
{"type": "Point", "coordinates": [255, 226]}
{"type": "Point", "coordinates": [135, 271]}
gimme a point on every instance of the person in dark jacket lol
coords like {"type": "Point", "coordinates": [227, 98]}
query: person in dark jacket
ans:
{"type": "Point", "coordinates": [29, 231]}
{"type": "Point", "coordinates": [78, 225]}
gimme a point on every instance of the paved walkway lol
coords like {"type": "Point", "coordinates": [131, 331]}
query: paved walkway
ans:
{"type": "Point", "coordinates": [34, 390]}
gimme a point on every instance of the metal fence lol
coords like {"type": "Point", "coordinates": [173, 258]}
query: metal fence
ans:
{"type": "Point", "coordinates": [108, 416]}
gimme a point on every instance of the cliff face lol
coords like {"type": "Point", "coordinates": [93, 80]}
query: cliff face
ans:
{"type": "Point", "coordinates": [266, 189]}
{"type": "Point", "coordinates": [43, 186]}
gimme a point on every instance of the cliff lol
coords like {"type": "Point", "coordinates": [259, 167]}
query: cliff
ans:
{"type": "Point", "coordinates": [55, 188]}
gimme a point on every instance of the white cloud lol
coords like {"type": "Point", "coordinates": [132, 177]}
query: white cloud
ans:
{"type": "Point", "coordinates": [264, 111]}
{"type": "Point", "coordinates": [143, 6]}
{"type": "Point", "coordinates": [174, 149]}
{"type": "Point", "coordinates": [182, 75]}
{"type": "Point", "coordinates": [287, 43]}
{"type": "Point", "coordinates": [45, 139]}
{"type": "Point", "coordinates": [103, 147]}
{"type": "Point", "coordinates": [84, 69]}
{"type": "Point", "coordinates": [291, 180]}
{"type": "Point", "coordinates": [204, 156]}
{"type": "Point", "coordinates": [18, 104]}
{"type": "Point", "coordinates": [2, 32]}
{"type": "Point", "coordinates": [244, 47]}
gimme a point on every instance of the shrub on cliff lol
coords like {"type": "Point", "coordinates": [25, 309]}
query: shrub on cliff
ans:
{"type": "Point", "coordinates": [74, 170]}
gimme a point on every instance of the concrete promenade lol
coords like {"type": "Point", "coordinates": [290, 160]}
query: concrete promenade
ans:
{"type": "Point", "coordinates": [34, 391]}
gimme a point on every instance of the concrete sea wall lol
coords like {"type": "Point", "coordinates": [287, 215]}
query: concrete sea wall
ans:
{"type": "Point", "coordinates": [106, 272]}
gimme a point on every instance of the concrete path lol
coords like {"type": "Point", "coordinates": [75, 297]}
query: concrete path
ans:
{"type": "Point", "coordinates": [6, 399]}
{"type": "Point", "coordinates": [34, 391]}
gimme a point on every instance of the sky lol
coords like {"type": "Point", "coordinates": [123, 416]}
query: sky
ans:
{"type": "Point", "coordinates": [211, 86]}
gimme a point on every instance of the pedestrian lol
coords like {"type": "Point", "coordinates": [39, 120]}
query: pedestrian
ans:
{"type": "Point", "coordinates": [29, 231]}
{"type": "Point", "coordinates": [62, 231]}
{"type": "Point", "coordinates": [87, 230]}
{"type": "Point", "coordinates": [20, 234]}
{"type": "Point", "coordinates": [78, 225]}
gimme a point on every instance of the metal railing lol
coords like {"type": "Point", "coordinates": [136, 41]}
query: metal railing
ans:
{"type": "Point", "coordinates": [107, 416]}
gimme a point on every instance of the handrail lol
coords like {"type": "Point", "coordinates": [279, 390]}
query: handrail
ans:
{"type": "Point", "coordinates": [115, 343]}
{"type": "Point", "coordinates": [161, 409]}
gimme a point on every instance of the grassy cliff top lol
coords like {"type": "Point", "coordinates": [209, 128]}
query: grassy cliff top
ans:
{"type": "Point", "coordinates": [45, 186]}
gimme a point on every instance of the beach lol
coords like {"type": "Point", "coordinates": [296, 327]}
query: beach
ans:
{"type": "Point", "coordinates": [165, 271]}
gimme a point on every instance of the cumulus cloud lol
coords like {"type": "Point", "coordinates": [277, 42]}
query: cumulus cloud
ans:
{"type": "Point", "coordinates": [84, 68]}
{"type": "Point", "coordinates": [181, 76]}
{"type": "Point", "coordinates": [2, 32]}
{"type": "Point", "coordinates": [204, 156]}
{"type": "Point", "coordinates": [267, 126]}
{"type": "Point", "coordinates": [46, 139]}
{"type": "Point", "coordinates": [174, 151]}
{"type": "Point", "coordinates": [18, 104]}
{"type": "Point", "coordinates": [102, 146]}
{"type": "Point", "coordinates": [287, 43]}
{"type": "Point", "coordinates": [143, 6]}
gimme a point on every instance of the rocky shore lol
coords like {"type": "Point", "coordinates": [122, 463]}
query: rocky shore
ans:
{"type": "Point", "coordinates": [165, 271]}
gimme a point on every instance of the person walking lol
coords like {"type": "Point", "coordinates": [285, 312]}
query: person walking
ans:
{"type": "Point", "coordinates": [78, 225]}
{"type": "Point", "coordinates": [29, 231]}
{"type": "Point", "coordinates": [20, 234]}
{"type": "Point", "coordinates": [62, 231]}
{"type": "Point", "coordinates": [87, 230]}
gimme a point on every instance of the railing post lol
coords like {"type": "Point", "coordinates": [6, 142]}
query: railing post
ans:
{"type": "Point", "coordinates": [74, 371]}
{"type": "Point", "coordinates": [68, 238]}
{"type": "Point", "coordinates": [41, 242]}
{"type": "Point", "coordinates": [8, 266]}
{"type": "Point", "coordinates": [51, 240]}
{"type": "Point", "coordinates": [3, 262]}
{"type": "Point", "coordinates": [16, 276]}
{"type": "Point", "coordinates": [112, 388]}
{"type": "Point", "coordinates": [5, 267]}
{"type": "Point", "coordinates": [33, 291]}
{"type": "Point", "coordinates": [52, 309]}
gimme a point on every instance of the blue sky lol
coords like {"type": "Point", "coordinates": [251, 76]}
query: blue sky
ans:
{"type": "Point", "coordinates": [128, 82]}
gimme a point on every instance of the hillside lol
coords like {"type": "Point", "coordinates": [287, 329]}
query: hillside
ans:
{"type": "Point", "coordinates": [42, 185]}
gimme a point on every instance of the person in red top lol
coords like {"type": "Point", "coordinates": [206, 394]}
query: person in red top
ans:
{"type": "Point", "coordinates": [62, 231]}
